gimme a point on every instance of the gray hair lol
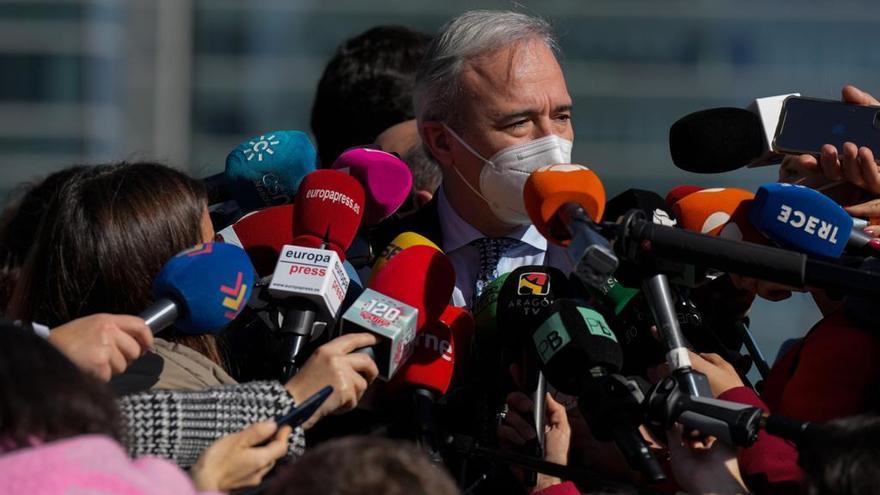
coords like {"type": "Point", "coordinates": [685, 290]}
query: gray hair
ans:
{"type": "Point", "coordinates": [474, 33]}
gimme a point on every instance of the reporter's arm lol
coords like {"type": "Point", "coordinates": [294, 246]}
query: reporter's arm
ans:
{"type": "Point", "coordinates": [180, 425]}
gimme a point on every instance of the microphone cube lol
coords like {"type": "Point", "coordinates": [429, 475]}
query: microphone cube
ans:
{"type": "Point", "coordinates": [313, 274]}
{"type": "Point", "coordinates": [392, 321]}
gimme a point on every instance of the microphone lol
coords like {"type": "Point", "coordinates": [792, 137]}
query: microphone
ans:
{"type": "Point", "coordinates": [462, 325]}
{"type": "Point", "coordinates": [724, 139]}
{"type": "Point", "coordinates": [386, 179]}
{"type": "Point", "coordinates": [261, 234]}
{"type": "Point", "coordinates": [420, 278]}
{"type": "Point", "coordinates": [265, 170]}
{"type": "Point", "coordinates": [309, 278]}
{"type": "Point", "coordinates": [329, 209]}
{"type": "Point", "coordinates": [580, 356]}
{"type": "Point", "coordinates": [402, 241]}
{"type": "Point", "coordinates": [719, 212]}
{"type": "Point", "coordinates": [200, 290]}
{"type": "Point", "coordinates": [806, 220]}
{"type": "Point", "coordinates": [524, 301]}
{"type": "Point", "coordinates": [563, 202]}
{"type": "Point", "coordinates": [678, 193]}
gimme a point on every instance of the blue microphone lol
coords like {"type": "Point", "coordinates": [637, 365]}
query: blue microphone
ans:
{"type": "Point", "coordinates": [806, 220]}
{"type": "Point", "coordinates": [200, 290]}
{"type": "Point", "coordinates": [264, 170]}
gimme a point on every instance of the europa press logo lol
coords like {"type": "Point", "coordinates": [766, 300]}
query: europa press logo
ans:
{"type": "Point", "coordinates": [533, 284]}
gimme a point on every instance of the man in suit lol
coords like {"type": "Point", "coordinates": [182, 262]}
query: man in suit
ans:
{"type": "Point", "coordinates": [492, 106]}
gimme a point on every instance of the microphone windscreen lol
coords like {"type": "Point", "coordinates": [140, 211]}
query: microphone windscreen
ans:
{"type": "Point", "coordinates": [678, 193]}
{"type": "Point", "coordinates": [386, 179]}
{"type": "Point", "coordinates": [716, 140]}
{"type": "Point", "coordinates": [649, 202]}
{"type": "Point", "coordinates": [262, 234]}
{"type": "Point", "coordinates": [401, 242]}
{"type": "Point", "coordinates": [802, 219]}
{"type": "Point", "coordinates": [355, 286]}
{"type": "Point", "coordinates": [462, 325]}
{"type": "Point", "coordinates": [527, 298]}
{"type": "Point", "coordinates": [571, 341]}
{"type": "Point", "coordinates": [419, 276]}
{"type": "Point", "coordinates": [210, 283]}
{"type": "Point", "coordinates": [549, 188]}
{"type": "Point", "coordinates": [721, 212]}
{"type": "Point", "coordinates": [433, 360]}
{"type": "Point", "coordinates": [266, 170]}
{"type": "Point", "coordinates": [329, 208]}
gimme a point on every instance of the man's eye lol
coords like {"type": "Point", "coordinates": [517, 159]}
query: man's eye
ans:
{"type": "Point", "coordinates": [564, 117]}
{"type": "Point", "coordinates": [519, 124]}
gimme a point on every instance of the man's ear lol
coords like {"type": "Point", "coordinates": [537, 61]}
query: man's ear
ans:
{"type": "Point", "coordinates": [435, 137]}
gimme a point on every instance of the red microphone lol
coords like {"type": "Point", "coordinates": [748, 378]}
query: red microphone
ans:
{"type": "Point", "coordinates": [461, 323]}
{"type": "Point", "coordinates": [420, 276]}
{"type": "Point", "coordinates": [408, 293]}
{"type": "Point", "coordinates": [329, 209]}
{"type": "Point", "coordinates": [262, 234]}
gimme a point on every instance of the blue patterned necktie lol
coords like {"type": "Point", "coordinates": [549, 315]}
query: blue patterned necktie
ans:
{"type": "Point", "coordinates": [491, 251]}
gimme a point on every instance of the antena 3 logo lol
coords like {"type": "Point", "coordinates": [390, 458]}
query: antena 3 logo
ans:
{"type": "Point", "coordinates": [234, 299]}
{"type": "Point", "coordinates": [334, 197]}
{"type": "Point", "coordinates": [533, 284]}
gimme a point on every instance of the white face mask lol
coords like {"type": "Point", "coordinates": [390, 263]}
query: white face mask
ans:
{"type": "Point", "coordinates": [504, 175]}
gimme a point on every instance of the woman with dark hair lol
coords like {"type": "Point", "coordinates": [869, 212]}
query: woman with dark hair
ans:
{"type": "Point", "coordinates": [103, 237]}
{"type": "Point", "coordinates": [60, 432]}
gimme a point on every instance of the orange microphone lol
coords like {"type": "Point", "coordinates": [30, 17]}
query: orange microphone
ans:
{"type": "Point", "coordinates": [553, 192]}
{"type": "Point", "coordinates": [564, 202]}
{"type": "Point", "coordinates": [719, 212]}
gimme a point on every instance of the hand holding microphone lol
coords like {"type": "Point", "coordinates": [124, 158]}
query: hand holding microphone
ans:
{"type": "Point", "coordinates": [103, 344]}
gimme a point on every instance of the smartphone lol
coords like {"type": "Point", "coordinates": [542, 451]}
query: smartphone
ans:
{"type": "Point", "coordinates": [806, 124]}
{"type": "Point", "coordinates": [300, 413]}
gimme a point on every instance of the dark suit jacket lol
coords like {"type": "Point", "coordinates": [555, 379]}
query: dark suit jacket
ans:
{"type": "Point", "coordinates": [424, 221]}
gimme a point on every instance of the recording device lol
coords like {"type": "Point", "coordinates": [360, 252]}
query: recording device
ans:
{"type": "Point", "coordinates": [386, 179]}
{"type": "Point", "coordinates": [723, 139]}
{"type": "Point", "coordinates": [580, 356]}
{"type": "Point", "coordinates": [420, 278]}
{"type": "Point", "coordinates": [309, 281]}
{"type": "Point", "coordinates": [265, 170]}
{"type": "Point", "coordinates": [806, 220]}
{"type": "Point", "coordinates": [806, 124]}
{"type": "Point", "coordinates": [200, 290]}
{"type": "Point", "coordinates": [564, 202]}
{"type": "Point", "coordinates": [300, 413]}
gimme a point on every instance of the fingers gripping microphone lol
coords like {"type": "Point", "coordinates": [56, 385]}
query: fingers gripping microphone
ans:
{"type": "Point", "coordinates": [386, 179]}
{"type": "Point", "coordinates": [262, 234]}
{"type": "Point", "coordinates": [409, 292]}
{"type": "Point", "coordinates": [806, 220]}
{"type": "Point", "coordinates": [309, 278]}
{"type": "Point", "coordinates": [201, 290]}
{"type": "Point", "coordinates": [564, 202]}
{"type": "Point", "coordinates": [265, 170]}
{"type": "Point", "coordinates": [580, 356]}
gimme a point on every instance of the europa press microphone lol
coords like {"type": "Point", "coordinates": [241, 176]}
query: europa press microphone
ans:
{"type": "Point", "coordinates": [309, 279]}
{"type": "Point", "coordinates": [265, 170]}
{"type": "Point", "coordinates": [200, 290]}
{"type": "Point", "coordinates": [804, 219]}
{"type": "Point", "coordinates": [410, 291]}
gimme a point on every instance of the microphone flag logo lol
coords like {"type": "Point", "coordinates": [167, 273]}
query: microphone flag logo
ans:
{"type": "Point", "coordinates": [234, 296]}
{"type": "Point", "coordinates": [533, 284]}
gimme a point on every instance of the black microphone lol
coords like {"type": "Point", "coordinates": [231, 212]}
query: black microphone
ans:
{"type": "Point", "coordinates": [716, 140]}
{"type": "Point", "coordinates": [580, 356]}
